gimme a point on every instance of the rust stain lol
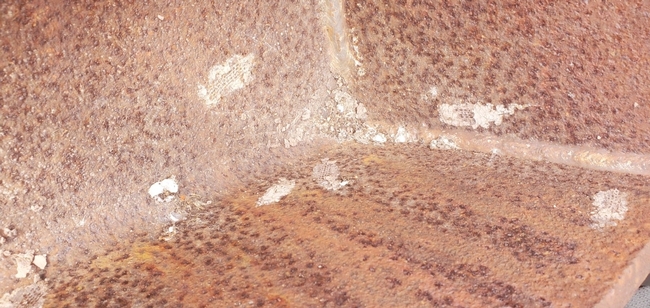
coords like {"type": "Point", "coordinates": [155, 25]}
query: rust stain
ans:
{"type": "Point", "coordinates": [433, 229]}
{"type": "Point", "coordinates": [99, 98]}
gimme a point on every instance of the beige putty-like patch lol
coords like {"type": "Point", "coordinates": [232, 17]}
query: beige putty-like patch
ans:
{"type": "Point", "coordinates": [609, 206]}
{"type": "Point", "coordinates": [476, 115]}
{"type": "Point", "coordinates": [226, 78]}
{"type": "Point", "coordinates": [40, 261]}
{"type": "Point", "coordinates": [23, 263]}
{"type": "Point", "coordinates": [276, 192]}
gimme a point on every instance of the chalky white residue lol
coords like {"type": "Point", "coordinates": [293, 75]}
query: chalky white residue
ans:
{"type": "Point", "coordinates": [225, 78]}
{"type": "Point", "coordinates": [401, 135]}
{"type": "Point", "coordinates": [23, 263]}
{"type": "Point", "coordinates": [40, 261]}
{"type": "Point", "coordinates": [475, 115]}
{"type": "Point", "coordinates": [326, 174]}
{"type": "Point", "coordinates": [379, 138]}
{"type": "Point", "coordinates": [443, 143]}
{"type": "Point", "coordinates": [276, 192]}
{"type": "Point", "coordinates": [349, 106]}
{"type": "Point", "coordinates": [609, 206]}
{"type": "Point", "coordinates": [165, 188]}
{"type": "Point", "coordinates": [433, 92]}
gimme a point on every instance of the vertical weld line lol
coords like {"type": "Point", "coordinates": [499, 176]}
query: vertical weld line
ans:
{"type": "Point", "coordinates": [341, 60]}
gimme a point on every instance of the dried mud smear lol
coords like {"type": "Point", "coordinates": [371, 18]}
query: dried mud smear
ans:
{"type": "Point", "coordinates": [492, 233]}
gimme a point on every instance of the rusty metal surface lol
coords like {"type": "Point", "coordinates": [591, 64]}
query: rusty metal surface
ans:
{"type": "Point", "coordinates": [98, 100]}
{"type": "Point", "coordinates": [581, 66]}
{"type": "Point", "coordinates": [101, 99]}
{"type": "Point", "coordinates": [414, 227]}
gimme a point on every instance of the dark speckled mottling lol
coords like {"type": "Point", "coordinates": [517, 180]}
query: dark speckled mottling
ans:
{"type": "Point", "coordinates": [413, 227]}
{"type": "Point", "coordinates": [581, 65]}
{"type": "Point", "coordinates": [99, 100]}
